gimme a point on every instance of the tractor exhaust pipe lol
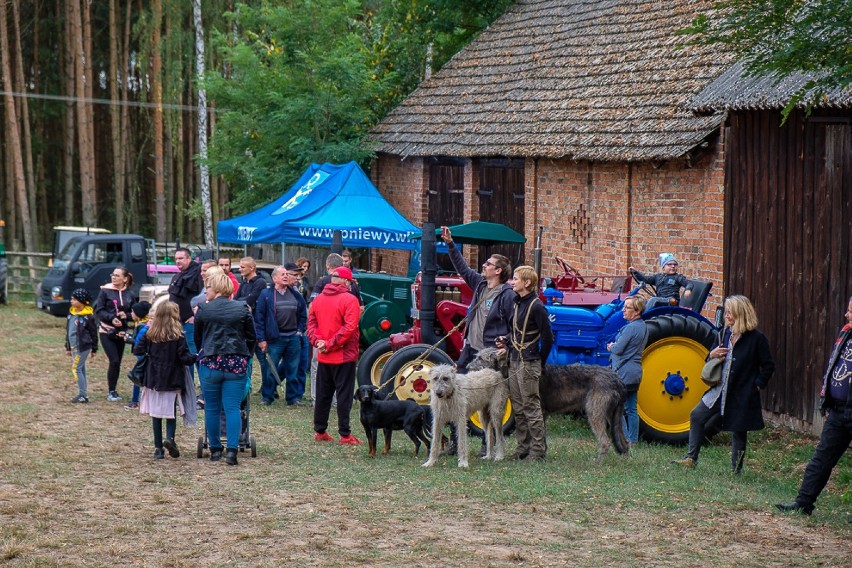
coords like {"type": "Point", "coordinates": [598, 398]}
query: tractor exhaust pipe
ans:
{"type": "Point", "coordinates": [537, 251]}
{"type": "Point", "coordinates": [428, 269]}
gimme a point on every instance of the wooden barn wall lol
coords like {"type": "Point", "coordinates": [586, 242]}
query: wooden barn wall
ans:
{"type": "Point", "coordinates": [787, 242]}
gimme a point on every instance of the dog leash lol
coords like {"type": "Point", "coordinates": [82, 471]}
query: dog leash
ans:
{"type": "Point", "coordinates": [423, 356]}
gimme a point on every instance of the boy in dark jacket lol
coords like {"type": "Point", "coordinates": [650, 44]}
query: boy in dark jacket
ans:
{"type": "Point", "coordinates": [81, 339]}
{"type": "Point", "coordinates": [667, 283]}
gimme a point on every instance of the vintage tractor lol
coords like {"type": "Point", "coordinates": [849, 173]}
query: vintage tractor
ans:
{"type": "Point", "coordinates": [387, 300]}
{"type": "Point", "coordinates": [585, 312]}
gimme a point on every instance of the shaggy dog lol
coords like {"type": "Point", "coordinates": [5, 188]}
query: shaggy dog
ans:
{"type": "Point", "coordinates": [390, 415]}
{"type": "Point", "coordinates": [596, 391]}
{"type": "Point", "coordinates": [456, 396]}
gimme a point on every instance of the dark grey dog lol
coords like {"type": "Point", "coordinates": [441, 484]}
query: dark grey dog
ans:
{"type": "Point", "coordinates": [591, 389]}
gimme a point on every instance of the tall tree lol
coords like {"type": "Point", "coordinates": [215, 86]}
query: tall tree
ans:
{"type": "Point", "coordinates": [84, 118]}
{"type": "Point", "coordinates": [157, 96]}
{"type": "Point", "coordinates": [204, 173]}
{"type": "Point", "coordinates": [24, 119]}
{"type": "Point", "coordinates": [13, 132]}
{"type": "Point", "coordinates": [785, 37]}
{"type": "Point", "coordinates": [115, 78]}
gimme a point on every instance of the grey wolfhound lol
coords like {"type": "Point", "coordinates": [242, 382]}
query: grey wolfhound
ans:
{"type": "Point", "coordinates": [596, 391]}
{"type": "Point", "coordinates": [456, 396]}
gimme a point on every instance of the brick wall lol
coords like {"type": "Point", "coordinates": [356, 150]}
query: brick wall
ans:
{"type": "Point", "coordinates": [600, 217]}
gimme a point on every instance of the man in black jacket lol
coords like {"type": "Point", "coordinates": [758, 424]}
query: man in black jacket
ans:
{"type": "Point", "coordinates": [249, 291]}
{"type": "Point", "coordinates": [184, 286]}
{"type": "Point", "coordinates": [836, 400]}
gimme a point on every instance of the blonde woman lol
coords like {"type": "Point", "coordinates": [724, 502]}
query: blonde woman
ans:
{"type": "Point", "coordinates": [224, 332]}
{"type": "Point", "coordinates": [746, 370]}
{"type": "Point", "coordinates": [165, 375]}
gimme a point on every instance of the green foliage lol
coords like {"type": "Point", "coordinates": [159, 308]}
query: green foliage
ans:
{"type": "Point", "coordinates": [784, 37]}
{"type": "Point", "coordinates": [305, 81]}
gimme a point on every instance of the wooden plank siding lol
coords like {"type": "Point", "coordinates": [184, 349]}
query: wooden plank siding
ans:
{"type": "Point", "coordinates": [787, 240]}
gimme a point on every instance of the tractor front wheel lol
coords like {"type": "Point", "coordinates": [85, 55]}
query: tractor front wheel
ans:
{"type": "Point", "coordinates": [372, 362]}
{"type": "Point", "coordinates": [671, 376]}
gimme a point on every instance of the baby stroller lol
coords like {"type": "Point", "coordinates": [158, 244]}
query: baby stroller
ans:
{"type": "Point", "coordinates": [246, 439]}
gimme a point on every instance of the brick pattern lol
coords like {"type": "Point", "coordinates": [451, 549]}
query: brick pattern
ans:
{"type": "Point", "coordinates": [599, 217]}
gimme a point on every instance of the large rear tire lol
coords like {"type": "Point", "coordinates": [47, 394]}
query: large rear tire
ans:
{"type": "Point", "coordinates": [372, 362]}
{"type": "Point", "coordinates": [671, 376]}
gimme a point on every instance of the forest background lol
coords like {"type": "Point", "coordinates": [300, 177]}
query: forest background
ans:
{"type": "Point", "coordinates": [109, 105]}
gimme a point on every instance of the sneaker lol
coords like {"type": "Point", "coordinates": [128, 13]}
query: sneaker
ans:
{"type": "Point", "coordinates": [323, 437]}
{"type": "Point", "coordinates": [131, 406]}
{"type": "Point", "coordinates": [685, 462]}
{"type": "Point", "coordinates": [199, 404]}
{"type": "Point", "coordinates": [80, 398]}
{"type": "Point", "coordinates": [349, 440]}
{"type": "Point", "coordinates": [113, 396]}
{"type": "Point", "coordinates": [172, 448]}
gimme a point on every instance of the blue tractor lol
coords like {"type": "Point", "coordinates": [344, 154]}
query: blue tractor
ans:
{"type": "Point", "coordinates": [679, 339]}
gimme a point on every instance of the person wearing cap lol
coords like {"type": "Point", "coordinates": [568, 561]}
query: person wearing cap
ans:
{"type": "Point", "coordinates": [333, 332]}
{"type": "Point", "coordinates": [667, 283]}
{"type": "Point", "coordinates": [280, 320]}
{"type": "Point", "coordinates": [140, 312]}
{"type": "Point", "coordinates": [81, 339]}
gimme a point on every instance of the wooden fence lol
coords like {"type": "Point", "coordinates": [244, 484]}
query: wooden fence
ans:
{"type": "Point", "coordinates": [26, 271]}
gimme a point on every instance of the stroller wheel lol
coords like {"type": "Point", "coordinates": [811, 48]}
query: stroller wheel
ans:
{"type": "Point", "coordinates": [253, 444]}
{"type": "Point", "coordinates": [200, 450]}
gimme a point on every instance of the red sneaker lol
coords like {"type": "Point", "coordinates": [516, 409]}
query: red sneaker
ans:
{"type": "Point", "coordinates": [324, 437]}
{"type": "Point", "coordinates": [349, 440]}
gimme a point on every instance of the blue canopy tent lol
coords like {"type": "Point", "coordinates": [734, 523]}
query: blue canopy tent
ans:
{"type": "Point", "coordinates": [326, 198]}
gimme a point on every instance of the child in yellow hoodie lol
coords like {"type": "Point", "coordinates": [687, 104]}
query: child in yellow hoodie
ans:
{"type": "Point", "coordinates": [81, 339]}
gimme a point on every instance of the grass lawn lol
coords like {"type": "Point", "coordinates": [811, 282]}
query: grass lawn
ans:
{"type": "Point", "coordinates": [79, 487]}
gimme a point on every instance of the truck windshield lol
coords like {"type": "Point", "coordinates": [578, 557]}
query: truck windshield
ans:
{"type": "Point", "coordinates": [60, 263]}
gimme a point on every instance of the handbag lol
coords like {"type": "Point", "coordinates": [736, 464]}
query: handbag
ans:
{"type": "Point", "coordinates": [137, 373]}
{"type": "Point", "coordinates": [711, 374]}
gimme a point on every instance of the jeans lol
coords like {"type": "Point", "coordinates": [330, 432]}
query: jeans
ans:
{"type": "Point", "coordinates": [114, 351]}
{"type": "Point", "coordinates": [78, 369]}
{"type": "Point", "coordinates": [631, 417]}
{"type": "Point", "coordinates": [189, 332]}
{"type": "Point", "coordinates": [334, 379]}
{"type": "Point", "coordinates": [302, 371]}
{"type": "Point", "coordinates": [222, 391]}
{"type": "Point", "coordinates": [264, 367]}
{"type": "Point", "coordinates": [284, 354]}
{"type": "Point", "coordinates": [833, 442]}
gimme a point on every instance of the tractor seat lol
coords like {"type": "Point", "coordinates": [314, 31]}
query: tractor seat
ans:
{"type": "Point", "coordinates": [700, 291]}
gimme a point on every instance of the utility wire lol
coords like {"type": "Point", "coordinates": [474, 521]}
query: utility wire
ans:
{"type": "Point", "coordinates": [139, 104]}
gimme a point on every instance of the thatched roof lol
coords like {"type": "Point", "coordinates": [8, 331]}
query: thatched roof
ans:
{"type": "Point", "coordinates": [596, 79]}
{"type": "Point", "coordinates": [733, 90]}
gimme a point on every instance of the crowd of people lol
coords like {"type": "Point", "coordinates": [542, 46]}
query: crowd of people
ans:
{"type": "Point", "coordinates": [216, 324]}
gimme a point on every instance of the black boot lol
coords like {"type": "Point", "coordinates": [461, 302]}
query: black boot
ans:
{"type": "Point", "coordinates": [215, 454]}
{"type": "Point", "coordinates": [171, 447]}
{"type": "Point", "coordinates": [231, 456]}
{"type": "Point", "coordinates": [737, 463]}
{"type": "Point", "coordinates": [796, 507]}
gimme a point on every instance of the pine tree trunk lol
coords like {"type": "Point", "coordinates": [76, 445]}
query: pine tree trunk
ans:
{"type": "Point", "coordinates": [126, 160]}
{"type": "Point", "coordinates": [24, 117]}
{"type": "Point", "coordinates": [13, 135]}
{"type": "Point", "coordinates": [116, 76]}
{"type": "Point", "coordinates": [69, 133]}
{"type": "Point", "coordinates": [82, 127]}
{"type": "Point", "coordinates": [157, 92]}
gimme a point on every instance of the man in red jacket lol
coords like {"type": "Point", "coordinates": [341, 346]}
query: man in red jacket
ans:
{"type": "Point", "coordinates": [333, 331]}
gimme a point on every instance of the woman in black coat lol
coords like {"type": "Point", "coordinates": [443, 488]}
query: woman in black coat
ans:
{"type": "Point", "coordinates": [746, 370]}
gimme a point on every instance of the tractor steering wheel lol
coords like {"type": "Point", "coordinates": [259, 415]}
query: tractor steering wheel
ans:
{"type": "Point", "coordinates": [570, 270]}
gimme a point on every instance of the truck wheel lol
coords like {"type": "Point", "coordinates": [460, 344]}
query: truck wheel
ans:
{"type": "Point", "coordinates": [410, 376]}
{"type": "Point", "coordinates": [671, 376]}
{"type": "Point", "coordinates": [372, 362]}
